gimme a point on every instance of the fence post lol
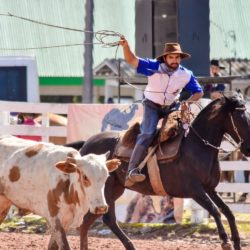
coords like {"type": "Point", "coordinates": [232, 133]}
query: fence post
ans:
{"type": "Point", "coordinates": [45, 123]}
{"type": "Point", "coordinates": [198, 213]}
{"type": "Point", "coordinates": [4, 117]}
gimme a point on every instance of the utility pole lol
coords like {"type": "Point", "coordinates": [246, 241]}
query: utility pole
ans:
{"type": "Point", "coordinates": [119, 82]}
{"type": "Point", "coordinates": [87, 95]}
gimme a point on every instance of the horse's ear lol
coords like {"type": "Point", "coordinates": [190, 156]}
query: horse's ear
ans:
{"type": "Point", "coordinates": [226, 98]}
{"type": "Point", "coordinates": [107, 154]}
{"type": "Point", "coordinates": [239, 94]}
{"type": "Point", "coordinates": [238, 91]}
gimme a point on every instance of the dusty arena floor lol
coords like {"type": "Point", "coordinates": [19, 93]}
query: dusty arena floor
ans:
{"type": "Point", "coordinates": [22, 241]}
{"type": "Point", "coordinates": [39, 242]}
{"type": "Point", "coordinates": [32, 233]}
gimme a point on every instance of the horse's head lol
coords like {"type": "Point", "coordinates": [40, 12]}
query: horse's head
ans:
{"type": "Point", "coordinates": [238, 123]}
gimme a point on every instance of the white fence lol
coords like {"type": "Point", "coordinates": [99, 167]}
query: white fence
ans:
{"type": "Point", "coordinates": [59, 131]}
{"type": "Point", "coordinates": [235, 187]}
{"type": "Point", "coordinates": [41, 108]}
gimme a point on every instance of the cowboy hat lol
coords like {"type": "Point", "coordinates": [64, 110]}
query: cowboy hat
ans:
{"type": "Point", "coordinates": [216, 63]}
{"type": "Point", "coordinates": [173, 48]}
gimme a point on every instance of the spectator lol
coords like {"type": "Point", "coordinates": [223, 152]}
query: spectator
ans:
{"type": "Point", "coordinates": [141, 210]}
{"type": "Point", "coordinates": [214, 91]}
{"type": "Point", "coordinates": [28, 119]}
{"type": "Point", "coordinates": [110, 100]}
{"type": "Point", "coordinates": [167, 210]}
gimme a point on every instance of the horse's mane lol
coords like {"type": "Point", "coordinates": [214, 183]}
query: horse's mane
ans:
{"type": "Point", "coordinates": [223, 105]}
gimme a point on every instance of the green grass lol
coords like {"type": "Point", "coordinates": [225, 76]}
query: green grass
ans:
{"type": "Point", "coordinates": [26, 224]}
{"type": "Point", "coordinates": [37, 224]}
{"type": "Point", "coordinates": [187, 228]}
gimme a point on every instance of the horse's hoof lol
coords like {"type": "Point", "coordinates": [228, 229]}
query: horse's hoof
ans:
{"type": "Point", "coordinates": [237, 247]}
{"type": "Point", "coordinates": [226, 246]}
{"type": "Point", "coordinates": [129, 246]}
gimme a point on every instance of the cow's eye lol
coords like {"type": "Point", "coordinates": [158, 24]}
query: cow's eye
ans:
{"type": "Point", "coordinates": [86, 181]}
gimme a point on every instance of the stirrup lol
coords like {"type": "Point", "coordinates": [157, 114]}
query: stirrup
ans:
{"type": "Point", "coordinates": [135, 175]}
{"type": "Point", "coordinates": [132, 177]}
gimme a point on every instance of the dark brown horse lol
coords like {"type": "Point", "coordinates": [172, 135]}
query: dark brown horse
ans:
{"type": "Point", "coordinates": [195, 174]}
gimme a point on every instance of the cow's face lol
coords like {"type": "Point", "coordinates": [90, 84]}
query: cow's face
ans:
{"type": "Point", "coordinates": [92, 171]}
{"type": "Point", "coordinates": [95, 174]}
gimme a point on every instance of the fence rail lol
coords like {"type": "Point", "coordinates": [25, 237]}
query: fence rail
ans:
{"type": "Point", "coordinates": [234, 165]}
{"type": "Point", "coordinates": [234, 187]}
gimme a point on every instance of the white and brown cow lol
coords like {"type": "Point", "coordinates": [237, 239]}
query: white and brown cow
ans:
{"type": "Point", "coordinates": [52, 181]}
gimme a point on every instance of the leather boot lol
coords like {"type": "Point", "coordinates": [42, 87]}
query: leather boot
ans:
{"type": "Point", "coordinates": [134, 174]}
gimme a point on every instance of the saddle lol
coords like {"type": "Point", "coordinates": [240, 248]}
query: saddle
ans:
{"type": "Point", "coordinates": [165, 148]}
{"type": "Point", "coordinates": [166, 142]}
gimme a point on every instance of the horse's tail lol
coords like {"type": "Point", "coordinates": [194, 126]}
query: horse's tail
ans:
{"type": "Point", "coordinates": [76, 145]}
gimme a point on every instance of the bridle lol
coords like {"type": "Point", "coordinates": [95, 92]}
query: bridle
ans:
{"type": "Point", "coordinates": [237, 146]}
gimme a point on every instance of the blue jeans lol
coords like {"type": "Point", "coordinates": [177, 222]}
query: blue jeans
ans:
{"type": "Point", "coordinates": [151, 116]}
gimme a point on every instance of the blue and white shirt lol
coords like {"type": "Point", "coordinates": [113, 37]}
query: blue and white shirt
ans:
{"type": "Point", "coordinates": [163, 86]}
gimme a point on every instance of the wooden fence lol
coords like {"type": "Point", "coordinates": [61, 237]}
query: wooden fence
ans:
{"type": "Point", "coordinates": [59, 131]}
{"type": "Point", "coordinates": [236, 187]}
{"type": "Point", "coordinates": [40, 108]}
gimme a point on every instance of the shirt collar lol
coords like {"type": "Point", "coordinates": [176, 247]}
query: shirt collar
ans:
{"type": "Point", "coordinates": [165, 69]}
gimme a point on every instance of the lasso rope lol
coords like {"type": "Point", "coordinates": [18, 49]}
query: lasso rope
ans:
{"type": "Point", "coordinates": [101, 36]}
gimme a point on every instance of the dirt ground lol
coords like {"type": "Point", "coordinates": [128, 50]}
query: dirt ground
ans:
{"type": "Point", "coordinates": [32, 233]}
{"type": "Point", "coordinates": [22, 241]}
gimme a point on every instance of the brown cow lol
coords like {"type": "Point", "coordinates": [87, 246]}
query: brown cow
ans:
{"type": "Point", "coordinates": [52, 181]}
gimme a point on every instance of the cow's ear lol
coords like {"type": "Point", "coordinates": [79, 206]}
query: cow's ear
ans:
{"type": "Point", "coordinates": [71, 160]}
{"type": "Point", "coordinates": [66, 167]}
{"type": "Point", "coordinates": [113, 164]}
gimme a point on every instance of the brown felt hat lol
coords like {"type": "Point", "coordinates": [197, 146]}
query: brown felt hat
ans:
{"type": "Point", "coordinates": [173, 48]}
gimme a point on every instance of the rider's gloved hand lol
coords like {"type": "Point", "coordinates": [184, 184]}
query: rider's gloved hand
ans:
{"type": "Point", "coordinates": [184, 106]}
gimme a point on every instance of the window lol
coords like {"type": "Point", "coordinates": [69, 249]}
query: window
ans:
{"type": "Point", "coordinates": [13, 83]}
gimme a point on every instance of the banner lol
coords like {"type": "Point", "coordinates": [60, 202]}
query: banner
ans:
{"type": "Point", "coordinates": [85, 120]}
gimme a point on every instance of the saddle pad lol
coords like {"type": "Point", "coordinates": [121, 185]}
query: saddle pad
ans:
{"type": "Point", "coordinates": [154, 176]}
{"type": "Point", "coordinates": [169, 150]}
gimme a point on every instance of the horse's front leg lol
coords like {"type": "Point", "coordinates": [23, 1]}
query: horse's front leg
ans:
{"type": "Point", "coordinates": [230, 217]}
{"type": "Point", "coordinates": [110, 220]}
{"type": "Point", "coordinates": [88, 220]}
{"type": "Point", "coordinates": [203, 200]}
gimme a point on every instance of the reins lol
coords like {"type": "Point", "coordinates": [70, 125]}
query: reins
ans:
{"type": "Point", "coordinates": [237, 146]}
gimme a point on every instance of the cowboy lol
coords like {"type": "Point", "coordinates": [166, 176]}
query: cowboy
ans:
{"type": "Point", "coordinates": [166, 79]}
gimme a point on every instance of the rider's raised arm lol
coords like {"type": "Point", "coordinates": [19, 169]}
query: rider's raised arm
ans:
{"type": "Point", "coordinates": [129, 56]}
{"type": "Point", "coordinates": [143, 66]}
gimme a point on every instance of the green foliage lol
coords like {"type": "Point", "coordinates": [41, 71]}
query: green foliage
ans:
{"type": "Point", "coordinates": [26, 224]}
{"type": "Point", "coordinates": [37, 224]}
